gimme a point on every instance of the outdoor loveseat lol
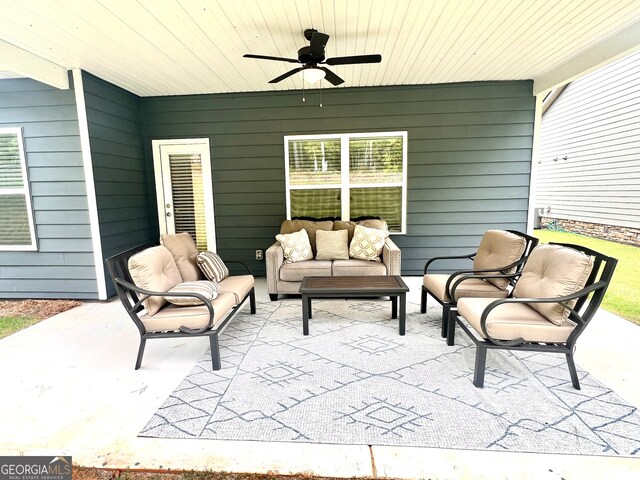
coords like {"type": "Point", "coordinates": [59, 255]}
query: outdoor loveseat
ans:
{"type": "Point", "coordinates": [146, 276]}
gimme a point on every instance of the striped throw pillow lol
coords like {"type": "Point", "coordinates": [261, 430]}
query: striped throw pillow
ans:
{"type": "Point", "coordinates": [207, 289]}
{"type": "Point", "coordinates": [212, 266]}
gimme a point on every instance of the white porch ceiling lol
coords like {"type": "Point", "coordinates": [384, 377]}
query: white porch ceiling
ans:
{"type": "Point", "coordinates": [173, 47]}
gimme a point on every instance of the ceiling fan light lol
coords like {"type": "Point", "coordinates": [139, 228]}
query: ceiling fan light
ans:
{"type": "Point", "coordinates": [312, 75]}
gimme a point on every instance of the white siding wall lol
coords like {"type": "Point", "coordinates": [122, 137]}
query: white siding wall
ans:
{"type": "Point", "coordinates": [595, 124]}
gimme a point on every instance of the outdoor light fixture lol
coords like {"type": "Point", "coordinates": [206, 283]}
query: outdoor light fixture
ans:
{"type": "Point", "coordinates": [312, 74]}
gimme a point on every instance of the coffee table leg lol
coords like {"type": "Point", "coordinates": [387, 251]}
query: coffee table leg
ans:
{"type": "Point", "coordinates": [306, 304]}
{"type": "Point", "coordinates": [403, 313]}
{"type": "Point", "coordinates": [394, 307]}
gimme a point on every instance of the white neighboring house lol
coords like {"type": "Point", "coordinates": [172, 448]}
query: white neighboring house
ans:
{"type": "Point", "coordinates": [588, 172]}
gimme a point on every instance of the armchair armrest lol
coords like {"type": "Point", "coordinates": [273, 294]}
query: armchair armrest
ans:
{"type": "Point", "coordinates": [575, 316]}
{"type": "Point", "coordinates": [237, 262]}
{"type": "Point", "coordinates": [150, 293]}
{"type": "Point", "coordinates": [469, 256]}
{"type": "Point", "coordinates": [274, 258]}
{"type": "Point", "coordinates": [461, 275]}
{"type": "Point", "coordinates": [391, 257]}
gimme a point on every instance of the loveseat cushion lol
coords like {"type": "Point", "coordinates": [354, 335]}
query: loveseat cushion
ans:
{"type": "Point", "coordinates": [291, 226]}
{"type": "Point", "coordinates": [238, 285]}
{"type": "Point", "coordinates": [472, 287]}
{"type": "Point", "coordinates": [515, 320]}
{"type": "Point", "coordinates": [497, 249]}
{"type": "Point", "coordinates": [353, 267]}
{"type": "Point", "coordinates": [184, 251]}
{"type": "Point", "coordinates": [295, 272]}
{"type": "Point", "coordinates": [296, 246]}
{"type": "Point", "coordinates": [553, 271]}
{"type": "Point", "coordinates": [154, 269]}
{"type": "Point", "coordinates": [172, 317]}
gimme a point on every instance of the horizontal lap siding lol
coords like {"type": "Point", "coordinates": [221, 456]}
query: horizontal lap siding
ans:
{"type": "Point", "coordinates": [469, 155]}
{"type": "Point", "coordinates": [119, 168]}
{"type": "Point", "coordinates": [594, 123]}
{"type": "Point", "coordinates": [63, 266]}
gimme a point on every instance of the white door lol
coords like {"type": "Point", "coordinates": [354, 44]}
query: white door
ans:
{"type": "Point", "coordinates": [184, 188]}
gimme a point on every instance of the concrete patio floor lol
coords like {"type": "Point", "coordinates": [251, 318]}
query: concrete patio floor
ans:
{"type": "Point", "coordinates": [68, 387]}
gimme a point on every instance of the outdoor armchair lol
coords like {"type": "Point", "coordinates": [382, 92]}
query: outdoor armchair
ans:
{"type": "Point", "coordinates": [501, 253]}
{"type": "Point", "coordinates": [555, 298]}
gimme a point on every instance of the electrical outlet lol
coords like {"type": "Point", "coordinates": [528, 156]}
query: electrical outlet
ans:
{"type": "Point", "coordinates": [259, 255]}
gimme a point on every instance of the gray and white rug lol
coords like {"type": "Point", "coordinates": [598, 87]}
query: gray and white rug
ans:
{"type": "Point", "coordinates": [354, 380]}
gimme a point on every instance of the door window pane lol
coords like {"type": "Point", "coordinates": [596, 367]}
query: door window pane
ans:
{"type": "Point", "coordinates": [188, 196]}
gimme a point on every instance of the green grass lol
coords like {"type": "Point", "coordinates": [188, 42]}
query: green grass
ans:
{"type": "Point", "coordinates": [9, 325]}
{"type": "Point", "coordinates": [623, 295]}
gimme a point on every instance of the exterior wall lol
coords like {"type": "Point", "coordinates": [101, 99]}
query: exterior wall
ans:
{"type": "Point", "coordinates": [469, 149]}
{"type": "Point", "coordinates": [63, 265]}
{"type": "Point", "coordinates": [125, 212]}
{"type": "Point", "coordinates": [589, 160]}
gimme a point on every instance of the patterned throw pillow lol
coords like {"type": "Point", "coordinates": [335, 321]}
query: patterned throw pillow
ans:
{"type": "Point", "coordinates": [207, 289]}
{"type": "Point", "coordinates": [296, 246]}
{"type": "Point", "coordinates": [367, 243]}
{"type": "Point", "coordinates": [212, 266]}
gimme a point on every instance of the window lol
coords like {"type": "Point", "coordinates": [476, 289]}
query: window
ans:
{"type": "Point", "coordinates": [348, 176]}
{"type": "Point", "coordinates": [16, 217]}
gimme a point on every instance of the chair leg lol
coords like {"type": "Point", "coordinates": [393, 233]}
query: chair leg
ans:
{"type": "Point", "coordinates": [572, 371]}
{"type": "Point", "coordinates": [423, 301]}
{"type": "Point", "coordinates": [252, 301]}
{"type": "Point", "coordinates": [273, 297]}
{"type": "Point", "coordinates": [445, 320]}
{"type": "Point", "coordinates": [481, 364]}
{"type": "Point", "coordinates": [143, 342]}
{"type": "Point", "coordinates": [215, 352]}
{"type": "Point", "coordinates": [451, 326]}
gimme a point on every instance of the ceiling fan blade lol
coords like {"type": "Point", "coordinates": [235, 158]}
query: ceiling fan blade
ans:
{"type": "Point", "coordinates": [354, 59]}
{"type": "Point", "coordinates": [318, 42]}
{"type": "Point", "coordinates": [286, 75]}
{"type": "Point", "coordinates": [265, 57]}
{"type": "Point", "coordinates": [331, 77]}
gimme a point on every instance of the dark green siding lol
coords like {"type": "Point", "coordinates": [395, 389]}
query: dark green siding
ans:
{"type": "Point", "coordinates": [63, 265]}
{"type": "Point", "coordinates": [469, 157]}
{"type": "Point", "coordinates": [125, 213]}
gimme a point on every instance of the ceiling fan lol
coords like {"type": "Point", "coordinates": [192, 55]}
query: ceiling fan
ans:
{"type": "Point", "coordinates": [312, 56]}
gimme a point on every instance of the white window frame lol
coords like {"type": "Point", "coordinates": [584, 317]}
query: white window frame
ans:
{"type": "Point", "coordinates": [345, 186]}
{"type": "Point", "coordinates": [24, 190]}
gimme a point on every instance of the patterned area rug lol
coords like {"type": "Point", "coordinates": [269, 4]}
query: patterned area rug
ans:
{"type": "Point", "coordinates": [354, 380]}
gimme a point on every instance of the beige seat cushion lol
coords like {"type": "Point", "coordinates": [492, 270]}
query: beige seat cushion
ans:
{"type": "Point", "coordinates": [184, 252]}
{"type": "Point", "coordinates": [291, 226]}
{"type": "Point", "coordinates": [473, 287]}
{"type": "Point", "coordinates": [154, 269]}
{"type": "Point", "coordinates": [332, 245]}
{"type": "Point", "coordinates": [295, 272]}
{"type": "Point", "coordinates": [172, 317]}
{"type": "Point", "coordinates": [508, 322]}
{"type": "Point", "coordinates": [352, 267]}
{"type": "Point", "coordinates": [553, 271]}
{"type": "Point", "coordinates": [296, 246]}
{"type": "Point", "coordinates": [497, 249]}
{"type": "Point", "coordinates": [239, 285]}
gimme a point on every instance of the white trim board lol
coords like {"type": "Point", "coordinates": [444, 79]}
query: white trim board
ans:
{"type": "Point", "coordinates": [87, 163]}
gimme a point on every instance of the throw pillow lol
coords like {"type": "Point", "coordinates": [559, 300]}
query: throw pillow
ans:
{"type": "Point", "coordinates": [332, 245]}
{"type": "Point", "coordinates": [212, 266]}
{"type": "Point", "coordinates": [184, 250]}
{"type": "Point", "coordinates": [154, 269]}
{"type": "Point", "coordinates": [367, 243]}
{"type": "Point", "coordinates": [207, 289]}
{"type": "Point", "coordinates": [296, 246]}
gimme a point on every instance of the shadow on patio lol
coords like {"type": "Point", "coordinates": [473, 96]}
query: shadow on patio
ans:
{"type": "Point", "coordinates": [70, 388]}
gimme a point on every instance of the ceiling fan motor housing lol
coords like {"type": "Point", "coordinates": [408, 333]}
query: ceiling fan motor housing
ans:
{"type": "Point", "coordinates": [305, 57]}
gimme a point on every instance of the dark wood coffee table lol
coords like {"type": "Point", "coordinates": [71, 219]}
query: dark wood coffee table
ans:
{"type": "Point", "coordinates": [354, 287]}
